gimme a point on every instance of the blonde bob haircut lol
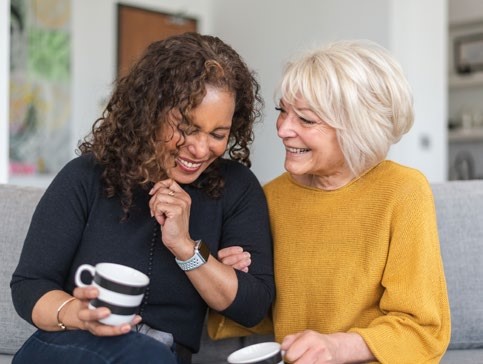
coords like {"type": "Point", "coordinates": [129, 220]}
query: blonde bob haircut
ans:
{"type": "Point", "coordinates": [360, 90]}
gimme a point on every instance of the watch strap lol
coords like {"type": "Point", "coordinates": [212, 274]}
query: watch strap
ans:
{"type": "Point", "coordinates": [200, 257]}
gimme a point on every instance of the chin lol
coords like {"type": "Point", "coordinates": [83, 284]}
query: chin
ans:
{"type": "Point", "coordinates": [184, 178]}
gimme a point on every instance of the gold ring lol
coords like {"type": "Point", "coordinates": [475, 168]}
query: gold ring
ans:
{"type": "Point", "coordinates": [171, 193]}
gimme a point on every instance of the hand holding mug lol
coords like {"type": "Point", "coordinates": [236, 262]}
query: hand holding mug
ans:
{"type": "Point", "coordinates": [89, 318]}
{"type": "Point", "coordinates": [115, 294]}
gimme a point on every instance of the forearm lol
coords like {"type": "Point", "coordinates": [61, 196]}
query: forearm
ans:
{"type": "Point", "coordinates": [215, 282]}
{"type": "Point", "coordinates": [44, 314]}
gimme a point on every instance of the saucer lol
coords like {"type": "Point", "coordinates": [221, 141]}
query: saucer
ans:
{"type": "Point", "coordinates": [254, 353]}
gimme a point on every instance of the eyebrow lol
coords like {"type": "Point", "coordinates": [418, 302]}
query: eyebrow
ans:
{"type": "Point", "coordinates": [218, 128]}
{"type": "Point", "coordinates": [296, 108]}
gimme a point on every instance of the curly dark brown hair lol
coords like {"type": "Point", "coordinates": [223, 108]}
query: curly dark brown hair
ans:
{"type": "Point", "coordinates": [172, 73]}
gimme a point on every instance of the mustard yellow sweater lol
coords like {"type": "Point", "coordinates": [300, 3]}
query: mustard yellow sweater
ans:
{"type": "Point", "coordinates": [364, 258]}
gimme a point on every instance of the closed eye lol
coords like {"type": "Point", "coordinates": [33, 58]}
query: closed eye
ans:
{"type": "Point", "coordinates": [219, 136]}
{"type": "Point", "coordinates": [308, 122]}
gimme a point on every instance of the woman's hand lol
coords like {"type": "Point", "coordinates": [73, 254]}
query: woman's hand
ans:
{"type": "Point", "coordinates": [312, 347]}
{"type": "Point", "coordinates": [170, 206]}
{"type": "Point", "coordinates": [235, 257]}
{"type": "Point", "coordinates": [89, 319]}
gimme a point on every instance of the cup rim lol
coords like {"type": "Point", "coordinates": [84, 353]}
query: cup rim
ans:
{"type": "Point", "coordinates": [242, 356]}
{"type": "Point", "coordinates": [143, 278]}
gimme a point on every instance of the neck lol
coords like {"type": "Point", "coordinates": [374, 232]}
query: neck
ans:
{"type": "Point", "coordinates": [325, 182]}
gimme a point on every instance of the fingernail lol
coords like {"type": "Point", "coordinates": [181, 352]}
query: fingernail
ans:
{"type": "Point", "coordinates": [104, 312]}
{"type": "Point", "coordinates": [126, 328]}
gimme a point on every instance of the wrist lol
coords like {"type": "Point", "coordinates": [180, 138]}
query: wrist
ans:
{"type": "Point", "coordinates": [61, 313]}
{"type": "Point", "coordinates": [351, 348]}
{"type": "Point", "coordinates": [184, 250]}
{"type": "Point", "coordinates": [198, 257]}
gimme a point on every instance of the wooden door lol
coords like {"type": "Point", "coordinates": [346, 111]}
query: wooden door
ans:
{"type": "Point", "coordinates": [137, 28]}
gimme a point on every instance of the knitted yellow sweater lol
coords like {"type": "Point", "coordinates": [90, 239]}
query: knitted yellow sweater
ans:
{"type": "Point", "coordinates": [364, 258]}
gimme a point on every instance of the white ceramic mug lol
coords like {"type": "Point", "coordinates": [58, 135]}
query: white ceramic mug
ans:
{"type": "Point", "coordinates": [121, 289]}
{"type": "Point", "coordinates": [261, 353]}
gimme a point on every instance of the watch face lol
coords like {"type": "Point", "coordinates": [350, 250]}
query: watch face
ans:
{"type": "Point", "coordinates": [204, 251]}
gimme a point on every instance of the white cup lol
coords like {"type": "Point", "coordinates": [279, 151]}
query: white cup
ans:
{"type": "Point", "coordinates": [121, 289]}
{"type": "Point", "coordinates": [261, 353]}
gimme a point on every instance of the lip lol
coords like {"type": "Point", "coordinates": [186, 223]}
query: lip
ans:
{"type": "Point", "coordinates": [189, 165]}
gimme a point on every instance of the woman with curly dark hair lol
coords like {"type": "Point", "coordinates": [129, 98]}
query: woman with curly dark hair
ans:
{"type": "Point", "coordinates": [153, 191]}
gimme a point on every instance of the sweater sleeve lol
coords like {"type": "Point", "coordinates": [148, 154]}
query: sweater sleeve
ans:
{"type": "Point", "coordinates": [52, 238]}
{"type": "Point", "coordinates": [415, 327]}
{"type": "Point", "coordinates": [246, 224]}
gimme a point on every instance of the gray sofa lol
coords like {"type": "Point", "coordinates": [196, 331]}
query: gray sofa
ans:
{"type": "Point", "coordinates": [459, 207]}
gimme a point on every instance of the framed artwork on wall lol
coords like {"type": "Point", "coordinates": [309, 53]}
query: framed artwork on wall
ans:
{"type": "Point", "coordinates": [39, 89]}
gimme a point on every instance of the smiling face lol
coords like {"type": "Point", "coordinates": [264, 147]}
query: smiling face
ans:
{"type": "Point", "coordinates": [312, 152]}
{"type": "Point", "coordinates": [206, 139]}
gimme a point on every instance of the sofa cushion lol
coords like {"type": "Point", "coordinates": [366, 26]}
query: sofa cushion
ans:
{"type": "Point", "coordinates": [469, 356]}
{"type": "Point", "coordinates": [16, 207]}
{"type": "Point", "coordinates": [459, 209]}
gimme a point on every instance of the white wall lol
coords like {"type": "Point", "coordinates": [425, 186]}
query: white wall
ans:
{"type": "Point", "coordinates": [4, 77]}
{"type": "Point", "coordinates": [267, 32]}
{"type": "Point", "coordinates": [419, 41]}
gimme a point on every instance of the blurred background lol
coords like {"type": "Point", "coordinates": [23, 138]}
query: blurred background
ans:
{"type": "Point", "coordinates": [58, 59]}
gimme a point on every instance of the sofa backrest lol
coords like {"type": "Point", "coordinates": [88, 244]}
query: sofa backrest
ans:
{"type": "Point", "coordinates": [459, 209]}
{"type": "Point", "coordinates": [16, 207]}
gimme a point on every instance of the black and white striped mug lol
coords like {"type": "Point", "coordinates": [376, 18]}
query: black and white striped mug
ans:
{"type": "Point", "coordinates": [121, 290]}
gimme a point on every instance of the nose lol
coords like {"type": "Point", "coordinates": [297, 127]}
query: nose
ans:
{"type": "Point", "coordinates": [198, 145]}
{"type": "Point", "coordinates": [285, 126]}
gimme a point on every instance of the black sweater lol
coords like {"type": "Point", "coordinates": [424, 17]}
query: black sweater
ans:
{"type": "Point", "coordinates": [74, 223]}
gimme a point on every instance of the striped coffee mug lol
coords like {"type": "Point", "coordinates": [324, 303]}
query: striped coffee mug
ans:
{"type": "Point", "coordinates": [121, 290]}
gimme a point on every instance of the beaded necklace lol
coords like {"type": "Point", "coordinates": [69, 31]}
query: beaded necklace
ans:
{"type": "Point", "coordinates": [150, 267]}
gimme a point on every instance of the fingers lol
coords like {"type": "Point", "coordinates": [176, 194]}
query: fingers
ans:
{"type": "Point", "coordinates": [169, 184]}
{"type": "Point", "coordinates": [288, 341]}
{"type": "Point", "coordinates": [165, 195]}
{"type": "Point", "coordinates": [231, 250]}
{"type": "Point", "coordinates": [86, 293]}
{"type": "Point", "coordinates": [309, 347]}
{"type": "Point", "coordinates": [90, 317]}
{"type": "Point", "coordinates": [100, 329]}
{"type": "Point", "coordinates": [235, 257]}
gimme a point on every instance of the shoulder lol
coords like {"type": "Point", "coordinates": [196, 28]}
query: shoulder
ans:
{"type": "Point", "coordinates": [277, 183]}
{"type": "Point", "coordinates": [80, 172]}
{"type": "Point", "coordinates": [80, 164]}
{"type": "Point", "coordinates": [237, 175]}
{"type": "Point", "coordinates": [401, 174]}
{"type": "Point", "coordinates": [241, 184]}
{"type": "Point", "coordinates": [400, 180]}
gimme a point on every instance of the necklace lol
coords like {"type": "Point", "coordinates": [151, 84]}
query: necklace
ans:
{"type": "Point", "coordinates": [150, 267]}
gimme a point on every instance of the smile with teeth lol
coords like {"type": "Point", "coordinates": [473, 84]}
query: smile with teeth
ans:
{"type": "Point", "coordinates": [187, 164]}
{"type": "Point", "coordinates": [297, 150]}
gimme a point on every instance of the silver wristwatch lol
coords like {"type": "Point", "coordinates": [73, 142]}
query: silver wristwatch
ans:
{"type": "Point", "coordinates": [199, 257]}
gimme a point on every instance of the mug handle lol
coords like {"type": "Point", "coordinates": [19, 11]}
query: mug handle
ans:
{"type": "Point", "coordinates": [83, 267]}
